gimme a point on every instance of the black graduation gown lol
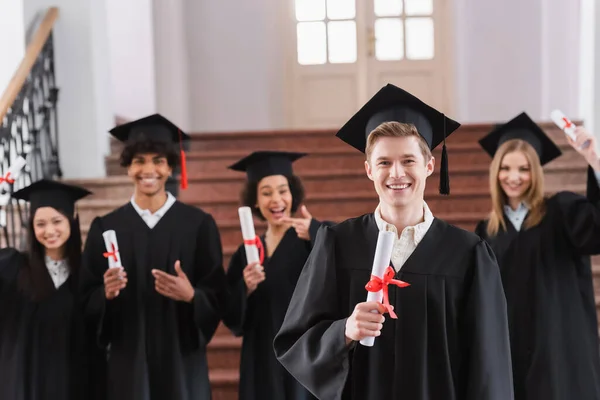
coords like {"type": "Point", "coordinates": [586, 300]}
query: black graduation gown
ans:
{"type": "Point", "coordinates": [450, 341]}
{"type": "Point", "coordinates": [157, 345]}
{"type": "Point", "coordinates": [45, 350]}
{"type": "Point", "coordinates": [258, 317]}
{"type": "Point", "coordinates": [547, 278]}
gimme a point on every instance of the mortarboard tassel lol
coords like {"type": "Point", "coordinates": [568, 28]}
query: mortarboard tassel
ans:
{"type": "Point", "coordinates": [184, 180]}
{"type": "Point", "coordinates": [444, 178]}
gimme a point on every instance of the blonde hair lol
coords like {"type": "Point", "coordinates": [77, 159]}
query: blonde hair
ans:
{"type": "Point", "coordinates": [533, 196]}
{"type": "Point", "coordinates": [396, 129]}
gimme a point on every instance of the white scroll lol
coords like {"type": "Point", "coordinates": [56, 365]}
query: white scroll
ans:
{"type": "Point", "coordinates": [5, 181]}
{"type": "Point", "coordinates": [112, 249]}
{"type": "Point", "coordinates": [566, 125]}
{"type": "Point", "coordinates": [383, 256]}
{"type": "Point", "coordinates": [13, 173]}
{"type": "Point", "coordinates": [249, 235]}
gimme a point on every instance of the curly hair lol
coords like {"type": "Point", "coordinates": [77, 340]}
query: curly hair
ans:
{"type": "Point", "coordinates": [249, 195]}
{"type": "Point", "coordinates": [133, 148]}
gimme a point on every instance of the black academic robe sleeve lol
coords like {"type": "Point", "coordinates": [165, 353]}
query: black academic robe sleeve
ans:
{"type": "Point", "coordinates": [95, 305]}
{"type": "Point", "coordinates": [580, 217]}
{"type": "Point", "coordinates": [209, 278]}
{"type": "Point", "coordinates": [9, 259]}
{"type": "Point", "coordinates": [485, 335]}
{"type": "Point", "coordinates": [313, 229]}
{"type": "Point", "coordinates": [311, 343]}
{"type": "Point", "coordinates": [480, 229]}
{"type": "Point", "coordinates": [236, 305]}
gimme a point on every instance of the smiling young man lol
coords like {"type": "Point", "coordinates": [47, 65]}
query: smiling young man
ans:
{"type": "Point", "coordinates": [160, 310]}
{"type": "Point", "coordinates": [450, 338]}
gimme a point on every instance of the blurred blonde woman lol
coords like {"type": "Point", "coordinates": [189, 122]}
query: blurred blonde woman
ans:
{"type": "Point", "coordinates": [543, 246]}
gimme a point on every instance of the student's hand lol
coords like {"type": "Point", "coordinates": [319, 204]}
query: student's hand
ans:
{"type": "Point", "coordinates": [589, 153]}
{"type": "Point", "coordinates": [254, 274]}
{"type": "Point", "coordinates": [115, 280]}
{"type": "Point", "coordinates": [301, 225]}
{"type": "Point", "coordinates": [176, 287]}
{"type": "Point", "coordinates": [364, 323]}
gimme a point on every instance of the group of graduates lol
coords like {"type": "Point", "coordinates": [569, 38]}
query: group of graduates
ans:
{"type": "Point", "coordinates": [506, 312]}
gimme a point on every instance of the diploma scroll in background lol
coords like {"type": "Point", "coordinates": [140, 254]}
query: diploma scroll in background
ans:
{"type": "Point", "coordinates": [110, 239]}
{"type": "Point", "coordinates": [566, 125]}
{"type": "Point", "coordinates": [248, 234]}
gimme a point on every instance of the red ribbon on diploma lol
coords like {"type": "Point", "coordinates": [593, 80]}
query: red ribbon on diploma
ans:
{"type": "Point", "coordinates": [567, 122]}
{"type": "Point", "coordinates": [376, 284]}
{"type": "Point", "coordinates": [112, 253]}
{"type": "Point", "coordinates": [7, 178]}
{"type": "Point", "coordinates": [258, 243]}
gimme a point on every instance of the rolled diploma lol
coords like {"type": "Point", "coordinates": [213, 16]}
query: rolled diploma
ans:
{"type": "Point", "coordinates": [566, 125]}
{"type": "Point", "coordinates": [110, 237]}
{"type": "Point", "coordinates": [248, 233]}
{"type": "Point", "coordinates": [383, 255]}
{"type": "Point", "coordinates": [13, 172]}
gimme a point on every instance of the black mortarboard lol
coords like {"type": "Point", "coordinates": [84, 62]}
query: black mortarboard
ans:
{"type": "Point", "coordinates": [521, 127]}
{"type": "Point", "coordinates": [266, 163]}
{"type": "Point", "coordinates": [154, 127]}
{"type": "Point", "coordinates": [48, 193]}
{"type": "Point", "coordinates": [394, 104]}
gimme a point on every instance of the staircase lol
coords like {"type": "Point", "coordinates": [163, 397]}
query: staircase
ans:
{"type": "Point", "coordinates": [336, 188]}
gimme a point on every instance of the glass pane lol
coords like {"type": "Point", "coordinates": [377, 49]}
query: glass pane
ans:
{"type": "Point", "coordinates": [389, 39]}
{"type": "Point", "coordinates": [312, 45]}
{"type": "Point", "coordinates": [419, 38]}
{"type": "Point", "coordinates": [388, 8]}
{"type": "Point", "coordinates": [310, 10]}
{"type": "Point", "coordinates": [418, 7]}
{"type": "Point", "coordinates": [341, 9]}
{"type": "Point", "coordinates": [342, 41]}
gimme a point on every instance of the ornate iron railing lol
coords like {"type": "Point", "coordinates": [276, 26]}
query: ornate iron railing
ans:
{"type": "Point", "coordinates": [29, 128]}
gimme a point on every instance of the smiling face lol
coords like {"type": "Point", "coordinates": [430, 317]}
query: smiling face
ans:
{"type": "Point", "coordinates": [514, 175]}
{"type": "Point", "coordinates": [149, 172]}
{"type": "Point", "coordinates": [399, 171]}
{"type": "Point", "coordinates": [274, 198]}
{"type": "Point", "coordinates": [51, 228]}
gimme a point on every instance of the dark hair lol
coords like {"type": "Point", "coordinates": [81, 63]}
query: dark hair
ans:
{"type": "Point", "coordinates": [249, 195]}
{"type": "Point", "coordinates": [33, 279]}
{"type": "Point", "coordinates": [136, 147]}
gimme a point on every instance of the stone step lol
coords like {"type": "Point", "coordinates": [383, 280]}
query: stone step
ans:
{"type": "Point", "coordinates": [332, 158]}
{"type": "Point", "coordinates": [224, 351]}
{"type": "Point", "coordinates": [226, 185]}
{"type": "Point", "coordinates": [224, 383]}
{"type": "Point", "coordinates": [301, 140]}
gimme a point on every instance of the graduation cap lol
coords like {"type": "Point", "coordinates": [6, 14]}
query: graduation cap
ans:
{"type": "Point", "coordinates": [266, 163]}
{"type": "Point", "coordinates": [48, 193]}
{"type": "Point", "coordinates": [521, 127]}
{"type": "Point", "coordinates": [157, 128]}
{"type": "Point", "coordinates": [394, 104]}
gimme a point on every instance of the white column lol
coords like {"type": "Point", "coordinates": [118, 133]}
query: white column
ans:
{"type": "Point", "coordinates": [12, 39]}
{"type": "Point", "coordinates": [131, 48]}
{"type": "Point", "coordinates": [171, 62]}
{"type": "Point", "coordinates": [560, 42]}
{"type": "Point", "coordinates": [237, 63]}
{"type": "Point", "coordinates": [83, 77]}
{"type": "Point", "coordinates": [589, 83]}
{"type": "Point", "coordinates": [516, 56]}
